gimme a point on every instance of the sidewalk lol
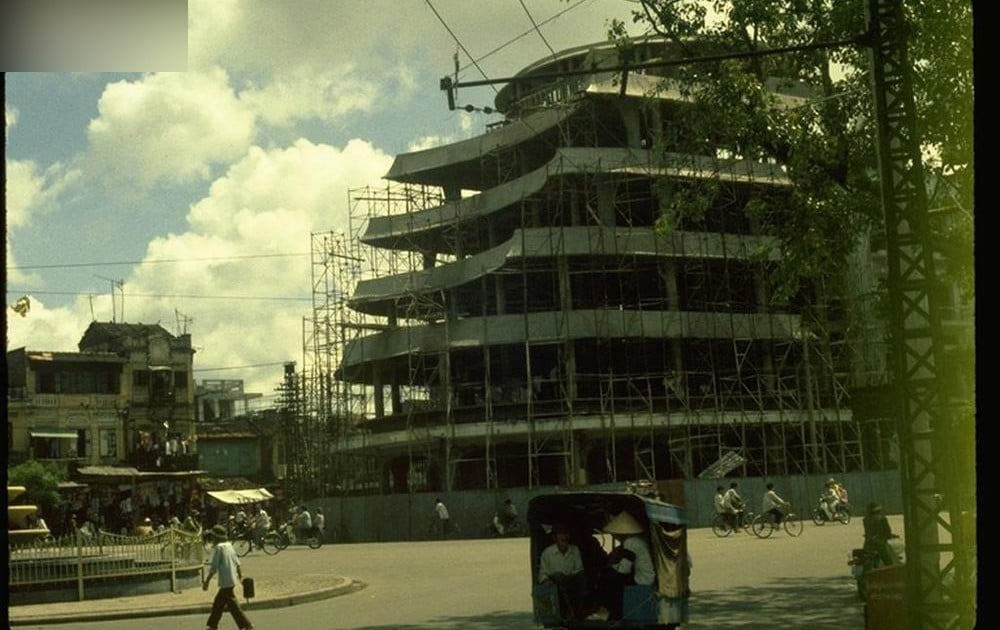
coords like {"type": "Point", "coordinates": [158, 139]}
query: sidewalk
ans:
{"type": "Point", "coordinates": [277, 584]}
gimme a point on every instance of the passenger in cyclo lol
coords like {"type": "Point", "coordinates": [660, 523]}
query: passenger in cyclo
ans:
{"type": "Point", "coordinates": [561, 564]}
{"type": "Point", "coordinates": [630, 562]}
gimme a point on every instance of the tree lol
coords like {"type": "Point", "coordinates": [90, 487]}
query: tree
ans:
{"type": "Point", "coordinates": [826, 145]}
{"type": "Point", "coordinates": [41, 483]}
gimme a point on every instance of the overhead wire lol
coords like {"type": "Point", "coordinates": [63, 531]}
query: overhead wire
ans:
{"type": "Point", "coordinates": [156, 261]}
{"type": "Point", "coordinates": [537, 30]}
{"type": "Point", "coordinates": [170, 296]}
{"type": "Point", "coordinates": [460, 45]}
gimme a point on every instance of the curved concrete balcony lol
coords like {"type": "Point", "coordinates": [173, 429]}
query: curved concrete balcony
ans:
{"type": "Point", "coordinates": [458, 164]}
{"type": "Point", "coordinates": [557, 326]}
{"type": "Point", "coordinates": [376, 296]}
{"type": "Point", "coordinates": [402, 231]}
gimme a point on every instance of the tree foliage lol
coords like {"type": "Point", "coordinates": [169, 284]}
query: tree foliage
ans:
{"type": "Point", "coordinates": [41, 483]}
{"type": "Point", "coordinates": [826, 145]}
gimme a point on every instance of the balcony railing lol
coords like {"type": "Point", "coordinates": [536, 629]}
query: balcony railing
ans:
{"type": "Point", "coordinates": [155, 461]}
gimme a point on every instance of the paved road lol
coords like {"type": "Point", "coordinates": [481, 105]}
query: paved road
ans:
{"type": "Point", "coordinates": [739, 581]}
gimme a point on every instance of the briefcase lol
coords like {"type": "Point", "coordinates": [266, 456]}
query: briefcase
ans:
{"type": "Point", "coordinates": [248, 588]}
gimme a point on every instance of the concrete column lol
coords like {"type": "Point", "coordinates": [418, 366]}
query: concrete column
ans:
{"type": "Point", "coordinates": [668, 270]}
{"type": "Point", "coordinates": [379, 391]}
{"type": "Point", "coordinates": [606, 203]}
{"type": "Point", "coordinates": [630, 114]}
{"type": "Point", "coordinates": [396, 398]}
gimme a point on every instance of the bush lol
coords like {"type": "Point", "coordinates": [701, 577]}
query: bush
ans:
{"type": "Point", "coordinates": [41, 482]}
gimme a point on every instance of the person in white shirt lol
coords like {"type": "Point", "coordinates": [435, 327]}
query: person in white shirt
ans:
{"type": "Point", "coordinates": [261, 525]}
{"type": "Point", "coordinates": [319, 521]}
{"type": "Point", "coordinates": [771, 504]}
{"type": "Point", "coordinates": [444, 519]}
{"type": "Point", "coordinates": [226, 563]}
{"type": "Point", "coordinates": [720, 500]}
{"type": "Point", "coordinates": [629, 563]}
{"type": "Point", "coordinates": [732, 502]}
{"type": "Point", "coordinates": [304, 522]}
{"type": "Point", "coordinates": [562, 565]}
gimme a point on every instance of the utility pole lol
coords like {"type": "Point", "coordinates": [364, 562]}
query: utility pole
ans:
{"type": "Point", "coordinates": [937, 499]}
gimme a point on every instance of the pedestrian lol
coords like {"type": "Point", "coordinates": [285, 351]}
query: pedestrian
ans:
{"type": "Point", "coordinates": [226, 563]}
{"type": "Point", "coordinates": [444, 519]}
{"type": "Point", "coordinates": [319, 522]}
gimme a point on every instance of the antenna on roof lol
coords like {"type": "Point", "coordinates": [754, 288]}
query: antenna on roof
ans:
{"type": "Point", "coordinates": [120, 285]}
{"type": "Point", "coordinates": [182, 322]}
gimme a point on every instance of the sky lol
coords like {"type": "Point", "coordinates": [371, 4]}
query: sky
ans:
{"type": "Point", "coordinates": [196, 192]}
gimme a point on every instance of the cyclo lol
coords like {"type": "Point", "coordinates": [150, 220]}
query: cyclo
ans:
{"type": "Point", "coordinates": [584, 516]}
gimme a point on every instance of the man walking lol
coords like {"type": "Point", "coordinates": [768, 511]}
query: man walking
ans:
{"type": "Point", "coordinates": [443, 517]}
{"type": "Point", "coordinates": [226, 563]}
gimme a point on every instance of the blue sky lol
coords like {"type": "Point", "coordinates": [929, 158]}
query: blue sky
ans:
{"type": "Point", "coordinates": [285, 106]}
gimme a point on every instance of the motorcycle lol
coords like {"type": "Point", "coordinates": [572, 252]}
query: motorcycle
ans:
{"type": "Point", "coordinates": [286, 535]}
{"type": "Point", "coordinates": [497, 528]}
{"type": "Point", "coordinates": [862, 561]}
{"type": "Point", "coordinates": [841, 514]}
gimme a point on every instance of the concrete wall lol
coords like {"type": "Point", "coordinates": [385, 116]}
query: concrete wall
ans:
{"type": "Point", "coordinates": [400, 517]}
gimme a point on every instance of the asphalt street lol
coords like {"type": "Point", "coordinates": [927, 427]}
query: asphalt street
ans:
{"type": "Point", "coordinates": [739, 581]}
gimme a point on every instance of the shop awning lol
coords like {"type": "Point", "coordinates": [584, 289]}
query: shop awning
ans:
{"type": "Point", "coordinates": [237, 497]}
{"type": "Point", "coordinates": [68, 434]}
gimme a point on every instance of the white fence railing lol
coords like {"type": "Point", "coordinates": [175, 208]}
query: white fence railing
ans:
{"type": "Point", "coordinates": [78, 558]}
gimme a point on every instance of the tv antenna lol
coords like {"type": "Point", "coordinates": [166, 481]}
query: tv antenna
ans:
{"type": "Point", "coordinates": [120, 285]}
{"type": "Point", "coordinates": [182, 322]}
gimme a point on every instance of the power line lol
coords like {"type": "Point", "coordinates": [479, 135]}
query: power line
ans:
{"type": "Point", "coordinates": [172, 296]}
{"type": "Point", "coordinates": [155, 261]}
{"type": "Point", "coordinates": [457, 41]}
{"type": "Point", "coordinates": [537, 30]}
{"type": "Point", "coordinates": [238, 367]}
{"type": "Point", "coordinates": [527, 32]}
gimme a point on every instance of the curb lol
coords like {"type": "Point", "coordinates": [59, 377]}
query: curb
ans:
{"type": "Point", "coordinates": [351, 586]}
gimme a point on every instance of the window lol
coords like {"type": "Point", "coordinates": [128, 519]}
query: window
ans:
{"type": "Point", "coordinates": [180, 379]}
{"type": "Point", "coordinates": [109, 443]}
{"type": "Point", "coordinates": [140, 378]}
{"type": "Point", "coordinates": [82, 443]}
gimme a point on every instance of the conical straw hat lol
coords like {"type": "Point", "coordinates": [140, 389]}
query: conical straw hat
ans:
{"type": "Point", "coordinates": [624, 523]}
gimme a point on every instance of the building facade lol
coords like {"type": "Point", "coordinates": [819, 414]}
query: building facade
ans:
{"type": "Point", "coordinates": [526, 318]}
{"type": "Point", "coordinates": [65, 407]}
{"type": "Point", "coordinates": [158, 387]}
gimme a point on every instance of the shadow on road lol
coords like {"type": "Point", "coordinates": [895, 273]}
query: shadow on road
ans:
{"type": "Point", "coordinates": [505, 620]}
{"type": "Point", "coordinates": [815, 603]}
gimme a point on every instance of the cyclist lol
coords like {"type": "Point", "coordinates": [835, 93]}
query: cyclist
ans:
{"type": "Point", "coordinates": [733, 504]}
{"type": "Point", "coordinates": [304, 523]}
{"type": "Point", "coordinates": [771, 505]}
{"type": "Point", "coordinates": [508, 516]}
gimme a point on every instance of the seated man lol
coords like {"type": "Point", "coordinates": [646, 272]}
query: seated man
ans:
{"type": "Point", "coordinates": [562, 565]}
{"type": "Point", "coordinates": [629, 563]}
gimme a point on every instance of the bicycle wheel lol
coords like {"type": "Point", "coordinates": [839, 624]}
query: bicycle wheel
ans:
{"type": "Point", "coordinates": [242, 546]}
{"type": "Point", "coordinates": [281, 541]}
{"type": "Point", "coordinates": [747, 521]}
{"type": "Point", "coordinates": [818, 517]}
{"type": "Point", "coordinates": [762, 526]}
{"type": "Point", "coordinates": [793, 525]}
{"type": "Point", "coordinates": [720, 527]}
{"type": "Point", "coordinates": [270, 544]}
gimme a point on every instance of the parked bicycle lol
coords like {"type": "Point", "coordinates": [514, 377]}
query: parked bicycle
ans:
{"type": "Point", "coordinates": [766, 524]}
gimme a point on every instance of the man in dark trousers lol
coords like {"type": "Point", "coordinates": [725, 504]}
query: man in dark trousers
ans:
{"type": "Point", "coordinates": [226, 563]}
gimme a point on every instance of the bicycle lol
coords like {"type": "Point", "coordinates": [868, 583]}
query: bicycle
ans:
{"type": "Point", "coordinates": [764, 525]}
{"type": "Point", "coordinates": [743, 520]}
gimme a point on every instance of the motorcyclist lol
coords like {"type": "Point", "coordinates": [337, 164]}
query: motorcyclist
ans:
{"type": "Point", "coordinates": [303, 523]}
{"type": "Point", "coordinates": [830, 499]}
{"type": "Point", "coordinates": [877, 535]}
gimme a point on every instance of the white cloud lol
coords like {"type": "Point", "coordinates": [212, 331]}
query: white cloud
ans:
{"type": "Point", "coordinates": [467, 130]}
{"type": "Point", "coordinates": [301, 94]}
{"type": "Point", "coordinates": [270, 202]}
{"type": "Point", "coordinates": [168, 127]}
{"type": "Point", "coordinates": [31, 190]}
{"type": "Point", "coordinates": [10, 116]}
{"type": "Point", "coordinates": [43, 328]}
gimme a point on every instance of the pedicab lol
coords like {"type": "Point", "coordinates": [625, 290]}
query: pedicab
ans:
{"type": "Point", "coordinates": [585, 517]}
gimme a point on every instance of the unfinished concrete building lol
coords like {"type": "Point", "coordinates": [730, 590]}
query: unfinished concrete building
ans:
{"type": "Point", "coordinates": [508, 312]}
